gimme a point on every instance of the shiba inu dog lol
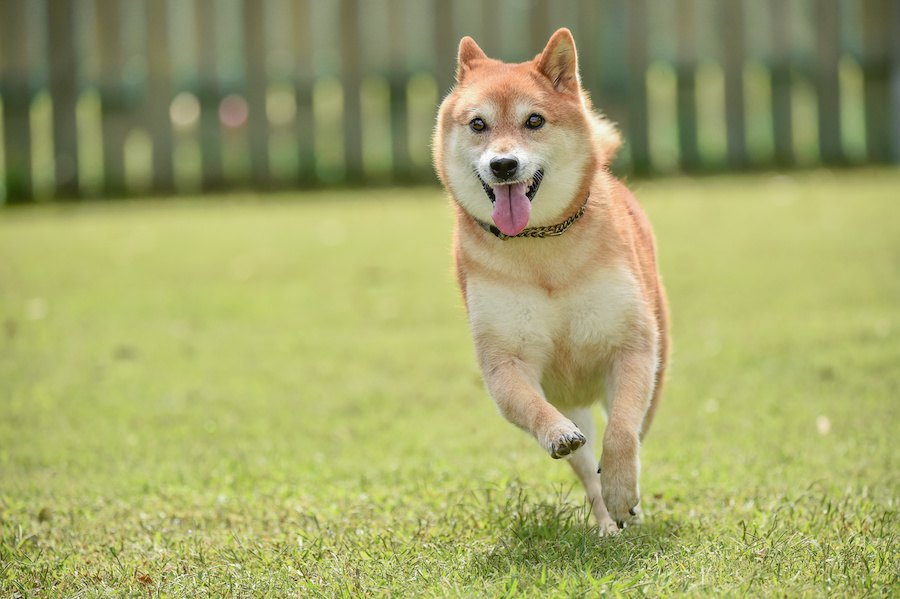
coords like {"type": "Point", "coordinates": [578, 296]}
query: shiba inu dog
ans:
{"type": "Point", "coordinates": [556, 263]}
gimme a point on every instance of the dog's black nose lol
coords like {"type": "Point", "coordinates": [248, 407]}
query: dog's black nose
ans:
{"type": "Point", "coordinates": [504, 168]}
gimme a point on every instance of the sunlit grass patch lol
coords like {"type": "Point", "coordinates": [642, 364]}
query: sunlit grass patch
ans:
{"type": "Point", "coordinates": [277, 396]}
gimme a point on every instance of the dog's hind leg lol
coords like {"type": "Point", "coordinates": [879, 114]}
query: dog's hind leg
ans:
{"type": "Point", "coordinates": [584, 463]}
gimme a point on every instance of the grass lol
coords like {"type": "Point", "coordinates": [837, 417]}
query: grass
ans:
{"type": "Point", "coordinates": [265, 396]}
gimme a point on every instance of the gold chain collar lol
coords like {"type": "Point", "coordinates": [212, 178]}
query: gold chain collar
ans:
{"type": "Point", "coordinates": [538, 232]}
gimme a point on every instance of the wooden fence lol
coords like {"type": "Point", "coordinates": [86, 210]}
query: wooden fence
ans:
{"type": "Point", "coordinates": [111, 97]}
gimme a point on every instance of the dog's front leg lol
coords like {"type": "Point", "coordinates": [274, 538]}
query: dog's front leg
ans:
{"type": "Point", "coordinates": [629, 391]}
{"type": "Point", "coordinates": [516, 389]}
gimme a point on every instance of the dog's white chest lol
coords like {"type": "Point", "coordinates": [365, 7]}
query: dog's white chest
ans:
{"type": "Point", "coordinates": [581, 321]}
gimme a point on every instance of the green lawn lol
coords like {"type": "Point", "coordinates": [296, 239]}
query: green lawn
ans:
{"type": "Point", "coordinates": [265, 396]}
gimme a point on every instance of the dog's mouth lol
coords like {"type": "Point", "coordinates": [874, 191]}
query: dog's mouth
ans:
{"type": "Point", "coordinates": [512, 202]}
{"type": "Point", "coordinates": [532, 185]}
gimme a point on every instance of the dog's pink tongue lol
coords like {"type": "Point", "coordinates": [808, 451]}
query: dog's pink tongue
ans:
{"type": "Point", "coordinates": [511, 208]}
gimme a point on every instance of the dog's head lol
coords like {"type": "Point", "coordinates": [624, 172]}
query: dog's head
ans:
{"type": "Point", "coordinates": [516, 144]}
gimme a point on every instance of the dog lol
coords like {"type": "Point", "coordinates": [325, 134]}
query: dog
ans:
{"type": "Point", "coordinates": [556, 262]}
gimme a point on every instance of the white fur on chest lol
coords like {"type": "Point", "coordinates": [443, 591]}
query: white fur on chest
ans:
{"type": "Point", "coordinates": [582, 323]}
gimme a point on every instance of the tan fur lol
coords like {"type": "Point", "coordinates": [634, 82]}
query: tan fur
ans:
{"type": "Point", "coordinates": [558, 323]}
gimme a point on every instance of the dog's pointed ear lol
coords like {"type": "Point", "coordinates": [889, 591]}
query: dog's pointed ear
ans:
{"type": "Point", "coordinates": [469, 52]}
{"type": "Point", "coordinates": [559, 62]}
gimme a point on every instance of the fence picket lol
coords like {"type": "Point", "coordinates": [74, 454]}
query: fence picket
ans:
{"type": "Point", "coordinates": [828, 55]}
{"type": "Point", "coordinates": [588, 46]}
{"type": "Point", "coordinates": [686, 80]}
{"type": "Point", "coordinates": [15, 88]}
{"type": "Point", "coordinates": [397, 87]}
{"type": "Point", "coordinates": [611, 93]}
{"type": "Point", "coordinates": [255, 82]}
{"type": "Point", "coordinates": [64, 91]}
{"type": "Point", "coordinates": [894, 119]}
{"type": "Point", "coordinates": [209, 94]}
{"type": "Point", "coordinates": [351, 78]}
{"type": "Point", "coordinates": [159, 93]}
{"type": "Point", "coordinates": [538, 24]}
{"type": "Point", "coordinates": [445, 45]}
{"type": "Point", "coordinates": [304, 78]}
{"type": "Point", "coordinates": [781, 78]}
{"type": "Point", "coordinates": [112, 96]}
{"type": "Point", "coordinates": [877, 18]}
{"type": "Point", "coordinates": [637, 85]}
{"type": "Point", "coordinates": [732, 31]}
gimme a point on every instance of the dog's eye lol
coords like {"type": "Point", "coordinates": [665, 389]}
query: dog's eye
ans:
{"type": "Point", "coordinates": [477, 125]}
{"type": "Point", "coordinates": [535, 121]}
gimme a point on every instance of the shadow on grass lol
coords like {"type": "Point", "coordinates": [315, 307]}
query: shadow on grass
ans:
{"type": "Point", "coordinates": [560, 536]}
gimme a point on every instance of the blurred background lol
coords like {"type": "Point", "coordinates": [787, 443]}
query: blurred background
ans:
{"type": "Point", "coordinates": [270, 389]}
{"type": "Point", "coordinates": [126, 97]}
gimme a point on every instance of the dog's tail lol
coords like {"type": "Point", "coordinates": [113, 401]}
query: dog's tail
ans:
{"type": "Point", "coordinates": [662, 318]}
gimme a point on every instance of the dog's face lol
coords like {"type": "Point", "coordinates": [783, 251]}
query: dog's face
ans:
{"type": "Point", "coordinates": [513, 141]}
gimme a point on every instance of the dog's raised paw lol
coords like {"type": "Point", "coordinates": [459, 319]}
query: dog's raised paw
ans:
{"type": "Point", "coordinates": [566, 444]}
